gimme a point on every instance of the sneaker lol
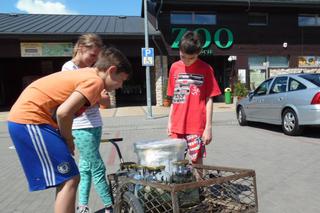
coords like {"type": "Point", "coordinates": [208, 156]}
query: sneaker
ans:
{"type": "Point", "coordinates": [109, 209]}
{"type": "Point", "coordinates": [83, 209]}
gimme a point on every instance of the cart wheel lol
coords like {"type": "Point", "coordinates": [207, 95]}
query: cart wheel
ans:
{"type": "Point", "coordinates": [128, 204]}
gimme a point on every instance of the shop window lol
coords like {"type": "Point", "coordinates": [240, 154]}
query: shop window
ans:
{"type": "Point", "coordinates": [259, 65]}
{"type": "Point", "coordinates": [256, 61]}
{"type": "Point", "coordinates": [278, 61]}
{"type": "Point", "coordinates": [273, 61]}
{"type": "Point", "coordinates": [192, 18]}
{"type": "Point", "coordinates": [257, 71]}
{"type": "Point", "coordinates": [308, 61]}
{"type": "Point", "coordinates": [309, 20]}
{"type": "Point", "coordinates": [258, 19]}
{"type": "Point", "coordinates": [181, 18]}
{"type": "Point", "coordinates": [204, 19]}
{"type": "Point", "coordinates": [257, 76]}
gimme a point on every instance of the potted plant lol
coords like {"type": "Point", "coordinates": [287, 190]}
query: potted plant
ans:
{"type": "Point", "coordinates": [166, 99]}
{"type": "Point", "coordinates": [240, 90]}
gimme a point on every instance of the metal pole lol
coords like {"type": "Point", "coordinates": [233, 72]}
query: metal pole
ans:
{"type": "Point", "coordinates": [267, 70]}
{"type": "Point", "coordinates": [146, 40]}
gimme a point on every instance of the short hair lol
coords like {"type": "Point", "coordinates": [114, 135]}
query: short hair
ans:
{"type": "Point", "coordinates": [89, 40]}
{"type": "Point", "coordinates": [113, 57]}
{"type": "Point", "coordinates": [190, 43]}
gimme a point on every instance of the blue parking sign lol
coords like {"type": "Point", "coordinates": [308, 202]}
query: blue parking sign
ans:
{"type": "Point", "coordinates": [147, 57]}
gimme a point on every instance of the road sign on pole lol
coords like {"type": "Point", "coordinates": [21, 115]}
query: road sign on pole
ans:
{"type": "Point", "coordinates": [147, 57]}
{"type": "Point", "coordinates": [146, 45]}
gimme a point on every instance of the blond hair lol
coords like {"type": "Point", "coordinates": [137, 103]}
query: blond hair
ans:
{"type": "Point", "coordinates": [89, 40]}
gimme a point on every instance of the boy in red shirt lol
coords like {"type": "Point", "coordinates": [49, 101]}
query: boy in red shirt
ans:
{"type": "Point", "coordinates": [192, 86]}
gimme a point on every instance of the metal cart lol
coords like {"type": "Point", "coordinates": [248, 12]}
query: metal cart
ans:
{"type": "Point", "coordinates": [218, 189]}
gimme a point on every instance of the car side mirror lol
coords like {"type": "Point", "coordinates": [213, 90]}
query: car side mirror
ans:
{"type": "Point", "coordinates": [250, 95]}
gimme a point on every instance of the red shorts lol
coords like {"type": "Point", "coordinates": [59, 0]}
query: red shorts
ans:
{"type": "Point", "coordinates": [196, 147]}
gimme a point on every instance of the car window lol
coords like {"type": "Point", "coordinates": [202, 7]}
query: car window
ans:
{"type": "Point", "coordinates": [279, 85]}
{"type": "Point", "coordinates": [263, 88]}
{"type": "Point", "coordinates": [313, 78]}
{"type": "Point", "coordinates": [295, 85]}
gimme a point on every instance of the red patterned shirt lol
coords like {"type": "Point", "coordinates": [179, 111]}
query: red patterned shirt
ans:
{"type": "Point", "coordinates": [190, 87]}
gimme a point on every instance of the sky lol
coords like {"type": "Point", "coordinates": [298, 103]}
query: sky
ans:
{"type": "Point", "coordinates": [80, 7]}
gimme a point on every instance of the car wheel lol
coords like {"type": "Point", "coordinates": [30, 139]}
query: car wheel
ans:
{"type": "Point", "coordinates": [241, 116]}
{"type": "Point", "coordinates": [290, 123]}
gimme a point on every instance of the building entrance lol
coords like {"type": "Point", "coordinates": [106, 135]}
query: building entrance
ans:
{"type": "Point", "coordinates": [222, 72]}
{"type": "Point", "coordinates": [133, 92]}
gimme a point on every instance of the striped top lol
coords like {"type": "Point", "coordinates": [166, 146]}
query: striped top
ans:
{"type": "Point", "coordinates": [91, 117]}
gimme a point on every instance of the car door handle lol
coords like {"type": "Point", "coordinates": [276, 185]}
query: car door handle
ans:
{"type": "Point", "coordinates": [261, 100]}
{"type": "Point", "coordinates": [280, 99]}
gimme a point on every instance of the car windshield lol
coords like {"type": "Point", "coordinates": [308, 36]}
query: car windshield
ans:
{"type": "Point", "coordinates": [313, 78]}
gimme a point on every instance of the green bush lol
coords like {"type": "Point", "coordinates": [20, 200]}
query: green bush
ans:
{"type": "Point", "coordinates": [240, 90]}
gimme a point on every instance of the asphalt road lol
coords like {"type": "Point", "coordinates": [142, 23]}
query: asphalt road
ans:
{"type": "Point", "coordinates": [287, 168]}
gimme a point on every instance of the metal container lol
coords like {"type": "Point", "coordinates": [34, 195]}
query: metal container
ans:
{"type": "Point", "coordinates": [160, 152]}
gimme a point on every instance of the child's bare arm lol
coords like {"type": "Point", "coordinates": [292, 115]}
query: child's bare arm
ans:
{"type": "Point", "coordinates": [169, 121]}
{"type": "Point", "coordinates": [207, 134]}
{"type": "Point", "coordinates": [65, 115]}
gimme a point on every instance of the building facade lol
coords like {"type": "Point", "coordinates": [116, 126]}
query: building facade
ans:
{"type": "Point", "coordinates": [35, 45]}
{"type": "Point", "coordinates": [244, 40]}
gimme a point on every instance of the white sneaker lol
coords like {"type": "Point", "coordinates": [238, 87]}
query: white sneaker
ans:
{"type": "Point", "coordinates": [83, 209]}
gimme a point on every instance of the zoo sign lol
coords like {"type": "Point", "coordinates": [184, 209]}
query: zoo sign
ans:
{"type": "Point", "coordinates": [207, 37]}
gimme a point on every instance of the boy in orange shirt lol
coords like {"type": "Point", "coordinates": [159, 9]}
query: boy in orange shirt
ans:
{"type": "Point", "coordinates": [40, 123]}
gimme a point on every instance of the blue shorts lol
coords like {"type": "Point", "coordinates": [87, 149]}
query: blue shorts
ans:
{"type": "Point", "coordinates": [44, 155]}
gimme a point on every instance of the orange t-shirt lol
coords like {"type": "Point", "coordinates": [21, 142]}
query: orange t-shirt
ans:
{"type": "Point", "coordinates": [38, 102]}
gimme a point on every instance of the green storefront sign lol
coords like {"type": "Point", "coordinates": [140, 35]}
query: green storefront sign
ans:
{"type": "Point", "coordinates": [207, 38]}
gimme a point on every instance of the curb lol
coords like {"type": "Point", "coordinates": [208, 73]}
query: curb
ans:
{"type": "Point", "coordinates": [142, 111]}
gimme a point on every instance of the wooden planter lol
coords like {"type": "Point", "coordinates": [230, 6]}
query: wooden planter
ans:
{"type": "Point", "coordinates": [237, 98]}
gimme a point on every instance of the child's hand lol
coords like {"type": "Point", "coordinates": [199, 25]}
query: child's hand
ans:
{"type": "Point", "coordinates": [207, 136]}
{"type": "Point", "coordinates": [105, 99]}
{"type": "Point", "coordinates": [169, 129]}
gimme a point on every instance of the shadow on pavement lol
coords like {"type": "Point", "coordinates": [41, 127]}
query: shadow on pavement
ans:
{"type": "Point", "coordinates": [309, 131]}
{"type": "Point", "coordinates": [100, 211]}
{"type": "Point", "coordinates": [270, 127]}
{"type": "Point", "coordinates": [312, 132]}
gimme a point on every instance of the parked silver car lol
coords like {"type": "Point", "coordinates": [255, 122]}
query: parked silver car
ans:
{"type": "Point", "coordinates": [292, 101]}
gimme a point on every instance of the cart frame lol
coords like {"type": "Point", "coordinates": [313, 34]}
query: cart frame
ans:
{"type": "Point", "coordinates": [221, 189]}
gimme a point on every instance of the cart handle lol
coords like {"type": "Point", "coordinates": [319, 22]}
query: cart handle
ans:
{"type": "Point", "coordinates": [110, 140]}
{"type": "Point", "coordinates": [113, 141]}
